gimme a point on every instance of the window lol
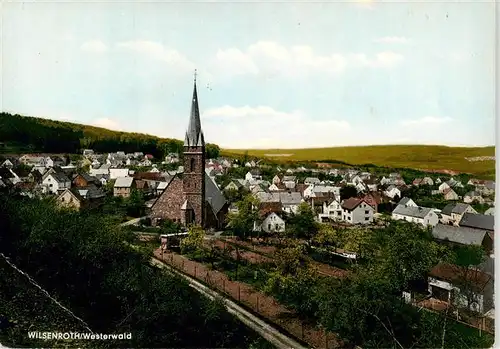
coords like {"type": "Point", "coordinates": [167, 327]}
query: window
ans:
{"type": "Point", "coordinates": [269, 226]}
{"type": "Point", "coordinates": [349, 218]}
{"type": "Point", "coordinates": [367, 212]}
{"type": "Point", "coordinates": [367, 218]}
{"type": "Point", "coordinates": [191, 167]}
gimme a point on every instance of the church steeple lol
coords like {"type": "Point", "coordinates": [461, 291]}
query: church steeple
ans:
{"type": "Point", "coordinates": [194, 135]}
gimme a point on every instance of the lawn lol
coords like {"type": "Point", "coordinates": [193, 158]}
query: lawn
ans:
{"type": "Point", "coordinates": [424, 157]}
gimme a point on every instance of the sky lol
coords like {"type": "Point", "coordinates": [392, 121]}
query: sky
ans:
{"type": "Point", "coordinates": [270, 74]}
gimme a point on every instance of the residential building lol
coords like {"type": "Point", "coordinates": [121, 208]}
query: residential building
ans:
{"type": "Point", "coordinates": [123, 186]}
{"type": "Point", "coordinates": [118, 172]}
{"type": "Point", "coordinates": [270, 215]}
{"type": "Point", "coordinates": [392, 191]}
{"type": "Point", "coordinates": [420, 215]}
{"type": "Point", "coordinates": [453, 213]}
{"type": "Point", "coordinates": [331, 210]}
{"type": "Point", "coordinates": [56, 182]}
{"type": "Point", "coordinates": [478, 221]}
{"type": "Point", "coordinates": [473, 196]}
{"type": "Point", "coordinates": [450, 195]}
{"type": "Point", "coordinates": [357, 211]}
{"type": "Point", "coordinates": [463, 236]}
{"type": "Point", "coordinates": [490, 211]}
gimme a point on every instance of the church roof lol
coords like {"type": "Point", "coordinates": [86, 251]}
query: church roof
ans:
{"type": "Point", "coordinates": [194, 134]}
{"type": "Point", "coordinates": [213, 195]}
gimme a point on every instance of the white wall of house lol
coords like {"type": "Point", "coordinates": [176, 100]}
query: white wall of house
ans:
{"type": "Point", "coordinates": [451, 195]}
{"type": "Point", "coordinates": [98, 171]}
{"type": "Point", "coordinates": [276, 179]}
{"type": "Point", "coordinates": [393, 192]}
{"type": "Point", "coordinates": [459, 300]}
{"type": "Point", "coordinates": [271, 224]}
{"type": "Point", "coordinates": [118, 172]}
{"type": "Point", "coordinates": [443, 186]}
{"type": "Point", "coordinates": [332, 211]}
{"type": "Point", "coordinates": [54, 186]}
{"type": "Point", "coordinates": [362, 214]}
{"type": "Point", "coordinates": [431, 219]}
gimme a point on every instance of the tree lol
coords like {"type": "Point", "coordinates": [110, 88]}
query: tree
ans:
{"type": "Point", "coordinates": [242, 222]}
{"type": "Point", "coordinates": [303, 224]}
{"type": "Point", "coordinates": [136, 204]}
{"type": "Point", "coordinates": [194, 241]}
{"type": "Point", "coordinates": [347, 192]}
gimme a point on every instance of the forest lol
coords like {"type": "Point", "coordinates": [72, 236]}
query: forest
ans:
{"type": "Point", "coordinates": [30, 134]}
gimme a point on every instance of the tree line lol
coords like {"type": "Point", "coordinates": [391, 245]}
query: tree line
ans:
{"type": "Point", "coordinates": [49, 136]}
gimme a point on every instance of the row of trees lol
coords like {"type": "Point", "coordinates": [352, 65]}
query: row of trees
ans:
{"type": "Point", "coordinates": [51, 136]}
{"type": "Point", "coordinates": [106, 282]}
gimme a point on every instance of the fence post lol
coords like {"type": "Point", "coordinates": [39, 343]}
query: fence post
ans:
{"type": "Point", "coordinates": [223, 285]}
{"type": "Point", "coordinates": [239, 293]}
{"type": "Point", "coordinates": [257, 303]}
{"type": "Point", "coordinates": [195, 270]}
{"type": "Point", "coordinates": [183, 265]}
{"type": "Point", "coordinates": [326, 338]}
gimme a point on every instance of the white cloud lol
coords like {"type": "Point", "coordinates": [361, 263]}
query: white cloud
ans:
{"type": "Point", "coordinates": [271, 59]}
{"type": "Point", "coordinates": [107, 123]}
{"type": "Point", "coordinates": [392, 40]}
{"type": "Point", "coordinates": [159, 52]}
{"type": "Point", "coordinates": [263, 126]}
{"type": "Point", "coordinates": [427, 120]}
{"type": "Point", "coordinates": [94, 46]}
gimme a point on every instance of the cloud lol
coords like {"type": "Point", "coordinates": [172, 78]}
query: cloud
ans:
{"type": "Point", "coordinates": [427, 120]}
{"type": "Point", "coordinates": [271, 59]}
{"type": "Point", "coordinates": [107, 123]}
{"type": "Point", "coordinates": [391, 40]}
{"type": "Point", "coordinates": [157, 51]}
{"type": "Point", "coordinates": [263, 126]}
{"type": "Point", "coordinates": [94, 46]}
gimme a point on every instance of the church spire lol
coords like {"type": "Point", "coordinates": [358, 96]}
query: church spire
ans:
{"type": "Point", "coordinates": [194, 134]}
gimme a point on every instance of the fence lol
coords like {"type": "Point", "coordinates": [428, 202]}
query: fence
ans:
{"type": "Point", "coordinates": [264, 305]}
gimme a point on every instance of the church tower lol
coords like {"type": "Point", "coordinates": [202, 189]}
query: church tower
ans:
{"type": "Point", "coordinates": [193, 209]}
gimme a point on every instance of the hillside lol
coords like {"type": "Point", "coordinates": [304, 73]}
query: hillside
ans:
{"type": "Point", "coordinates": [36, 135]}
{"type": "Point", "coordinates": [424, 157]}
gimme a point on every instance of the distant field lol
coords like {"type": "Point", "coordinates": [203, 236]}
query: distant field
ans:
{"type": "Point", "coordinates": [425, 157]}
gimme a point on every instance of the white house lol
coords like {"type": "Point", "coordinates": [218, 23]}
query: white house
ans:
{"type": "Point", "coordinates": [392, 191]}
{"type": "Point", "coordinates": [118, 172]}
{"type": "Point", "coordinates": [450, 195]}
{"type": "Point", "coordinates": [490, 211]}
{"type": "Point", "coordinates": [357, 211]}
{"type": "Point", "coordinates": [420, 215]}
{"type": "Point", "coordinates": [453, 213]}
{"type": "Point", "coordinates": [253, 174]}
{"type": "Point", "coordinates": [276, 179]}
{"type": "Point", "coordinates": [332, 210]}
{"type": "Point", "coordinates": [311, 180]}
{"type": "Point", "coordinates": [7, 163]}
{"type": "Point", "coordinates": [272, 223]}
{"type": "Point", "coordinates": [444, 186]}
{"type": "Point", "coordinates": [56, 182]}
{"type": "Point", "coordinates": [473, 196]}
{"type": "Point", "coordinates": [49, 162]}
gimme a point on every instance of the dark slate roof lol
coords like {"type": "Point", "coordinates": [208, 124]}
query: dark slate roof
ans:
{"type": "Point", "coordinates": [448, 209]}
{"type": "Point", "coordinates": [418, 212]}
{"type": "Point", "coordinates": [88, 192]}
{"type": "Point", "coordinates": [213, 195]}
{"type": "Point", "coordinates": [460, 235]}
{"type": "Point", "coordinates": [479, 221]}
{"type": "Point", "coordinates": [404, 201]}
{"type": "Point", "coordinates": [5, 173]}
{"type": "Point", "coordinates": [194, 134]}
{"type": "Point", "coordinates": [458, 208]}
{"type": "Point", "coordinates": [60, 177]}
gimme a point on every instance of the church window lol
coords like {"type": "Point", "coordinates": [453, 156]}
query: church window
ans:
{"type": "Point", "coordinates": [192, 165]}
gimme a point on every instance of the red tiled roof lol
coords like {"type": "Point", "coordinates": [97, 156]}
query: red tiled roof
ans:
{"type": "Point", "coordinates": [267, 207]}
{"type": "Point", "coordinates": [453, 273]}
{"type": "Point", "coordinates": [351, 203]}
{"type": "Point", "coordinates": [149, 175]}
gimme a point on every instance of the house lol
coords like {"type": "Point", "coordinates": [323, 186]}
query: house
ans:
{"type": "Point", "coordinates": [371, 184]}
{"type": "Point", "coordinates": [115, 173]}
{"type": "Point", "coordinates": [443, 186]}
{"type": "Point", "coordinates": [407, 202]}
{"type": "Point", "coordinates": [7, 164]}
{"type": "Point", "coordinates": [102, 178]}
{"type": "Point", "coordinates": [357, 211]}
{"type": "Point", "coordinates": [423, 181]}
{"type": "Point", "coordinates": [478, 221]}
{"type": "Point", "coordinates": [269, 213]}
{"type": "Point", "coordinates": [450, 195]}
{"type": "Point", "coordinates": [463, 236]}
{"type": "Point", "coordinates": [453, 213]}
{"type": "Point", "coordinates": [253, 174]}
{"type": "Point", "coordinates": [145, 163]}
{"type": "Point", "coordinates": [467, 288]}
{"type": "Point", "coordinates": [420, 215]}
{"type": "Point", "coordinates": [103, 170]}
{"type": "Point", "coordinates": [331, 210]}
{"type": "Point", "coordinates": [154, 170]}
{"type": "Point", "coordinates": [490, 211]}
{"type": "Point", "coordinates": [88, 152]}
{"type": "Point", "coordinates": [375, 198]}
{"type": "Point", "coordinates": [123, 186]}
{"type": "Point", "coordinates": [8, 176]}
{"type": "Point", "coordinates": [172, 158]}
{"type": "Point", "coordinates": [289, 179]}
{"type": "Point", "coordinates": [290, 201]}
{"type": "Point", "coordinates": [56, 182]}
{"type": "Point", "coordinates": [84, 180]}
{"type": "Point", "coordinates": [473, 196]}
{"type": "Point", "coordinates": [276, 187]}
{"type": "Point", "coordinates": [81, 197]}
{"type": "Point", "coordinates": [276, 180]}
{"type": "Point", "coordinates": [234, 185]}
{"type": "Point", "coordinates": [392, 191]}
{"type": "Point", "coordinates": [486, 187]}
{"type": "Point", "coordinates": [312, 180]}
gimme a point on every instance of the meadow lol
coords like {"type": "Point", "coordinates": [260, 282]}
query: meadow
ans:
{"type": "Point", "coordinates": [422, 157]}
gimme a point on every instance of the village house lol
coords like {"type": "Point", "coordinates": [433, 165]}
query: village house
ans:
{"type": "Point", "coordinates": [8, 176]}
{"type": "Point", "coordinates": [88, 152]}
{"type": "Point", "coordinates": [371, 184]}
{"type": "Point", "coordinates": [467, 288]}
{"type": "Point", "coordinates": [123, 186]}
{"type": "Point", "coordinates": [443, 186]}
{"type": "Point", "coordinates": [490, 211]}
{"type": "Point", "coordinates": [235, 184]}
{"type": "Point", "coordinates": [7, 164]}
{"type": "Point", "coordinates": [276, 180]}
{"type": "Point", "coordinates": [102, 170]}
{"type": "Point", "coordinates": [172, 158]}
{"type": "Point", "coordinates": [331, 210]}
{"type": "Point", "coordinates": [408, 210]}
{"type": "Point", "coordinates": [357, 211]}
{"type": "Point", "coordinates": [473, 196]}
{"type": "Point", "coordinates": [423, 181]}
{"type": "Point", "coordinates": [450, 195]}
{"type": "Point", "coordinates": [393, 192]}
{"type": "Point", "coordinates": [463, 236]}
{"type": "Point", "coordinates": [453, 213]}
{"type": "Point", "coordinates": [312, 180]}
{"type": "Point", "coordinates": [56, 182]}
{"type": "Point", "coordinates": [253, 174]}
{"type": "Point", "coordinates": [118, 172]}
{"type": "Point", "coordinates": [84, 180]}
{"type": "Point", "coordinates": [270, 216]}
{"type": "Point", "coordinates": [81, 197]}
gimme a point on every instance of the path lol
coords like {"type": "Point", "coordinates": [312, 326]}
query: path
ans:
{"type": "Point", "coordinates": [266, 330]}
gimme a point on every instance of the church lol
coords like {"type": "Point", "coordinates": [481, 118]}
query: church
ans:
{"type": "Point", "coordinates": [192, 198]}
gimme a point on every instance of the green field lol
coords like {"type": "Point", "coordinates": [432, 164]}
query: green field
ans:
{"type": "Point", "coordinates": [425, 157]}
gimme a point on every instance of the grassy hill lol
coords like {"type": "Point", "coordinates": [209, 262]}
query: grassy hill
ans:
{"type": "Point", "coordinates": [424, 157]}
